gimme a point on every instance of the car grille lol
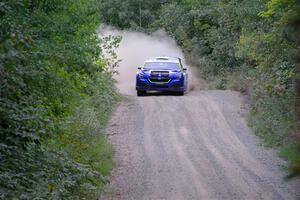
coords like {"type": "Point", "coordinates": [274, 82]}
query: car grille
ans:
{"type": "Point", "coordinates": [157, 80]}
{"type": "Point", "coordinates": [159, 77]}
{"type": "Point", "coordinates": [162, 74]}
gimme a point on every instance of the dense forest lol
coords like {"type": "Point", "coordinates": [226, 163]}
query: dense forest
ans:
{"type": "Point", "coordinates": [56, 96]}
{"type": "Point", "coordinates": [57, 90]}
{"type": "Point", "coordinates": [248, 46]}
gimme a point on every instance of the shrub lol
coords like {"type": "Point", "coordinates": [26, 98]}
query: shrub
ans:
{"type": "Point", "coordinates": [52, 73]}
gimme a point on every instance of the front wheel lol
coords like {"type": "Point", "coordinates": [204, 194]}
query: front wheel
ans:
{"type": "Point", "coordinates": [140, 93]}
{"type": "Point", "coordinates": [181, 93]}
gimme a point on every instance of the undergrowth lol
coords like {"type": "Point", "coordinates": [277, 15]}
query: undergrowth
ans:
{"type": "Point", "coordinates": [56, 95]}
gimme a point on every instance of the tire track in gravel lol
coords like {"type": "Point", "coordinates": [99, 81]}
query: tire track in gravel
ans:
{"type": "Point", "coordinates": [193, 147]}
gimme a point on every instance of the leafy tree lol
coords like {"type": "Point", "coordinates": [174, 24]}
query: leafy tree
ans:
{"type": "Point", "coordinates": [51, 70]}
{"type": "Point", "coordinates": [130, 13]}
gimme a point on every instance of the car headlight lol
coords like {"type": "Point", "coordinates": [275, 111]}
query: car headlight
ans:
{"type": "Point", "coordinates": [178, 76]}
{"type": "Point", "coordinates": [141, 75]}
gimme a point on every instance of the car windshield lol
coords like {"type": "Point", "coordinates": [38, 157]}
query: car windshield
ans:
{"type": "Point", "coordinates": [161, 66]}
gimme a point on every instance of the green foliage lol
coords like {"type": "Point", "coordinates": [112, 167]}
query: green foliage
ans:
{"type": "Point", "coordinates": [244, 45]}
{"type": "Point", "coordinates": [130, 13]}
{"type": "Point", "coordinates": [273, 119]}
{"type": "Point", "coordinates": [56, 94]}
{"type": "Point", "coordinates": [291, 151]}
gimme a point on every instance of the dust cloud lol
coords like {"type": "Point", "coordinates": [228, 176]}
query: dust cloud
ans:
{"type": "Point", "coordinates": [134, 49]}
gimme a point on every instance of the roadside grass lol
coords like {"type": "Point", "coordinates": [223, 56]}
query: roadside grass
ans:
{"type": "Point", "coordinates": [83, 136]}
{"type": "Point", "coordinates": [291, 152]}
{"type": "Point", "coordinates": [238, 80]}
{"type": "Point", "coordinates": [89, 145]}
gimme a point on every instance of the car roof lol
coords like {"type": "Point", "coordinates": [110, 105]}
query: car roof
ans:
{"type": "Point", "coordinates": [163, 59]}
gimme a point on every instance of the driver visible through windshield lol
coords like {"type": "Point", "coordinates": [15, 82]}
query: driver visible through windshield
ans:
{"type": "Point", "coordinates": [161, 66]}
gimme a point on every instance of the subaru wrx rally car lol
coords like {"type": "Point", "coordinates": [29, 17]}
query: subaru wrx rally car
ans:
{"type": "Point", "coordinates": [161, 74]}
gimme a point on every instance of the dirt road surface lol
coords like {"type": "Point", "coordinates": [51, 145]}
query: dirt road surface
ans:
{"type": "Point", "coordinates": [196, 146]}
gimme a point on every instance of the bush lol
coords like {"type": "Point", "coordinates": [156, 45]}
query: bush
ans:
{"type": "Point", "coordinates": [56, 95]}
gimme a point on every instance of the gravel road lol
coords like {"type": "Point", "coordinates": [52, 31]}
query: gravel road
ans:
{"type": "Point", "coordinates": [196, 146]}
{"type": "Point", "coordinates": [193, 147]}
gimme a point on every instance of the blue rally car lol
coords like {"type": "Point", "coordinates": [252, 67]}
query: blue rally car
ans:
{"type": "Point", "coordinates": [161, 74]}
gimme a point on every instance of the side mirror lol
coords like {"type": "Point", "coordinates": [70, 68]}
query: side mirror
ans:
{"type": "Point", "coordinates": [139, 68]}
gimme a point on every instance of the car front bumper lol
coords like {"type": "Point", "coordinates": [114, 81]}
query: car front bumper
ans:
{"type": "Point", "coordinates": [172, 85]}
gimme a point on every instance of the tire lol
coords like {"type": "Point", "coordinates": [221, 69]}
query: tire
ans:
{"type": "Point", "coordinates": [181, 93]}
{"type": "Point", "coordinates": [140, 93]}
